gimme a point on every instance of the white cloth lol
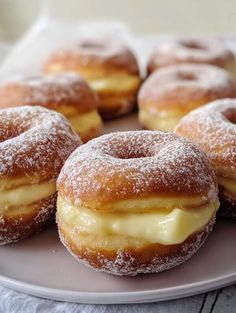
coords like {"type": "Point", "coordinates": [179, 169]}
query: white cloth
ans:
{"type": "Point", "coordinates": [219, 301]}
{"type": "Point", "coordinates": [12, 301]}
{"type": "Point", "coordinates": [4, 49]}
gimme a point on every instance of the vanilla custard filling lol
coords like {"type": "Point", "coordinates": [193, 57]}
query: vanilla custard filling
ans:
{"type": "Point", "coordinates": [82, 123]}
{"type": "Point", "coordinates": [26, 195]}
{"type": "Point", "coordinates": [167, 228]}
{"type": "Point", "coordinates": [118, 82]}
{"type": "Point", "coordinates": [228, 183]}
{"type": "Point", "coordinates": [165, 120]}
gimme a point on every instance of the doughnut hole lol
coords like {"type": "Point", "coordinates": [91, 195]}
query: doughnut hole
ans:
{"type": "Point", "coordinates": [129, 151]}
{"type": "Point", "coordinates": [230, 115]}
{"type": "Point", "coordinates": [194, 45]}
{"type": "Point", "coordinates": [187, 76]}
{"type": "Point", "coordinates": [92, 45]}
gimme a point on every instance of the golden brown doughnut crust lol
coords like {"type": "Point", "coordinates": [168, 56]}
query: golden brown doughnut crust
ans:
{"type": "Point", "coordinates": [20, 226]}
{"type": "Point", "coordinates": [122, 103]}
{"type": "Point", "coordinates": [125, 165]}
{"type": "Point", "coordinates": [104, 55]}
{"type": "Point", "coordinates": [191, 50]}
{"type": "Point", "coordinates": [227, 204]}
{"type": "Point", "coordinates": [151, 258]}
{"type": "Point", "coordinates": [52, 92]}
{"type": "Point", "coordinates": [184, 87]}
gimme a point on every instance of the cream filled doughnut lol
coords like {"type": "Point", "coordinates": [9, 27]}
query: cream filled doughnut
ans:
{"type": "Point", "coordinates": [34, 144]}
{"type": "Point", "coordinates": [136, 202]}
{"type": "Point", "coordinates": [212, 128]}
{"type": "Point", "coordinates": [192, 50]}
{"type": "Point", "coordinates": [170, 93]}
{"type": "Point", "coordinates": [108, 66]}
{"type": "Point", "coordinates": [66, 93]}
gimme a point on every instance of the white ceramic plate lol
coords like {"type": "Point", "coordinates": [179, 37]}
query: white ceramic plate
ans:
{"type": "Point", "coordinates": [41, 266]}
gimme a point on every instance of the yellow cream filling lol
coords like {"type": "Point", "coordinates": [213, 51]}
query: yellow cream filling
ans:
{"type": "Point", "coordinates": [164, 120]}
{"type": "Point", "coordinates": [228, 183]}
{"type": "Point", "coordinates": [25, 195]}
{"type": "Point", "coordinates": [171, 227]}
{"type": "Point", "coordinates": [121, 83]}
{"type": "Point", "coordinates": [82, 123]}
{"type": "Point", "coordinates": [67, 110]}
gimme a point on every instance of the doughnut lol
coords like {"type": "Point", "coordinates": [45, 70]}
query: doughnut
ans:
{"type": "Point", "coordinates": [171, 92]}
{"type": "Point", "coordinates": [108, 66]}
{"type": "Point", "coordinates": [34, 144]}
{"type": "Point", "coordinates": [67, 94]}
{"type": "Point", "coordinates": [192, 50]}
{"type": "Point", "coordinates": [212, 128]}
{"type": "Point", "coordinates": [136, 202]}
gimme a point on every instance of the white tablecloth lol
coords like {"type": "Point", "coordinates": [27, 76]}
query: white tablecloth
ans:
{"type": "Point", "coordinates": [220, 301]}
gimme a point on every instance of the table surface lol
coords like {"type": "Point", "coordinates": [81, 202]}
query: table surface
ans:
{"type": "Point", "coordinates": [220, 301]}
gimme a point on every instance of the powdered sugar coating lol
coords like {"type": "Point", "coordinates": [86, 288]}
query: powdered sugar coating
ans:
{"type": "Point", "coordinates": [50, 91]}
{"type": "Point", "coordinates": [185, 86]}
{"type": "Point", "coordinates": [34, 142]}
{"type": "Point", "coordinates": [136, 164]}
{"type": "Point", "coordinates": [191, 50]}
{"type": "Point", "coordinates": [213, 129]}
{"type": "Point", "coordinates": [105, 53]}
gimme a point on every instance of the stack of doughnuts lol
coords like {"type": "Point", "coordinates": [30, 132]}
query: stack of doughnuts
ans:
{"type": "Point", "coordinates": [108, 66]}
{"type": "Point", "coordinates": [128, 202]}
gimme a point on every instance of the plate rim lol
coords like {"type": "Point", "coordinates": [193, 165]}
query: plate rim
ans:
{"type": "Point", "coordinates": [87, 297]}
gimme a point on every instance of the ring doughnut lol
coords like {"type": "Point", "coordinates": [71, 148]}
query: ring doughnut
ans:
{"type": "Point", "coordinates": [67, 94]}
{"type": "Point", "coordinates": [171, 92]}
{"type": "Point", "coordinates": [212, 128]}
{"type": "Point", "coordinates": [108, 66]}
{"type": "Point", "coordinates": [192, 50]}
{"type": "Point", "coordinates": [34, 144]}
{"type": "Point", "coordinates": [136, 202]}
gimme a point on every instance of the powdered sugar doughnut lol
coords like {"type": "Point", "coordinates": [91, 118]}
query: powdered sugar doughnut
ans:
{"type": "Point", "coordinates": [108, 66]}
{"type": "Point", "coordinates": [213, 129]}
{"type": "Point", "coordinates": [192, 50]}
{"type": "Point", "coordinates": [34, 144]}
{"type": "Point", "coordinates": [67, 93]}
{"type": "Point", "coordinates": [136, 202]}
{"type": "Point", "coordinates": [171, 92]}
